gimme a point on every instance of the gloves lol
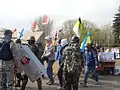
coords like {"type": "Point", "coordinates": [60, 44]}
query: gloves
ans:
{"type": "Point", "coordinates": [44, 58]}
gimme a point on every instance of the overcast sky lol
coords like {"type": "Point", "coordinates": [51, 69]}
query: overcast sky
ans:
{"type": "Point", "coordinates": [21, 13]}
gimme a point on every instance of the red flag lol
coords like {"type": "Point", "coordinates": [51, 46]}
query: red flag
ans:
{"type": "Point", "coordinates": [45, 19]}
{"type": "Point", "coordinates": [14, 30]}
{"type": "Point", "coordinates": [34, 25]}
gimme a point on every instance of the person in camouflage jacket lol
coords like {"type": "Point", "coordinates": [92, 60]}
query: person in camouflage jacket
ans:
{"type": "Point", "coordinates": [72, 65]}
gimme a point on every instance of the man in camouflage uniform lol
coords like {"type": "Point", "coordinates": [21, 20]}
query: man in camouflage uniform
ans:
{"type": "Point", "coordinates": [7, 50]}
{"type": "Point", "coordinates": [72, 65]}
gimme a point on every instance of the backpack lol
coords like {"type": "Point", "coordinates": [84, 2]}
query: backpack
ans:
{"type": "Point", "coordinates": [72, 58]}
{"type": "Point", "coordinates": [5, 52]}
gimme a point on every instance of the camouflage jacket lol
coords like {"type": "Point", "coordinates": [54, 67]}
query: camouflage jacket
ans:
{"type": "Point", "coordinates": [72, 58]}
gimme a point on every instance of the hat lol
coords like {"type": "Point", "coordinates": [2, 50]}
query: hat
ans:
{"type": "Point", "coordinates": [8, 32]}
{"type": "Point", "coordinates": [48, 38]}
{"type": "Point", "coordinates": [31, 38]}
{"type": "Point", "coordinates": [64, 42]}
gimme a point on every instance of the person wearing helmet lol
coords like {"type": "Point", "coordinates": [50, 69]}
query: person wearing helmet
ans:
{"type": "Point", "coordinates": [7, 52]}
{"type": "Point", "coordinates": [72, 64]}
{"type": "Point", "coordinates": [75, 39]}
{"type": "Point", "coordinates": [49, 54]}
{"type": "Point", "coordinates": [34, 48]}
{"type": "Point", "coordinates": [91, 63]}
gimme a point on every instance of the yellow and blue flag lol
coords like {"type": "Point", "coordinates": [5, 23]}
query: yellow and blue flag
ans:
{"type": "Point", "coordinates": [85, 41]}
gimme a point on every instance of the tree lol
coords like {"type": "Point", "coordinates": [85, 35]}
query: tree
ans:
{"type": "Point", "coordinates": [68, 27]}
{"type": "Point", "coordinates": [45, 28]}
{"type": "Point", "coordinates": [106, 35]}
{"type": "Point", "coordinates": [88, 26]}
{"type": "Point", "coordinates": [99, 35]}
{"type": "Point", "coordinates": [116, 26]}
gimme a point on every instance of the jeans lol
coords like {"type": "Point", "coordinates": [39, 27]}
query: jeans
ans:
{"type": "Point", "coordinates": [89, 69]}
{"type": "Point", "coordinates": [50, 70]}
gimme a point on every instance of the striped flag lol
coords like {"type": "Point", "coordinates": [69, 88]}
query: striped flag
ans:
{"type": "Point", "coordinates": [85, 41]}
{"type": "Point", "coordinates": [14, 31]}
{"type": "Point", "coordinates": [35, 27]}
{"type": "Point", "coordinates": [78, 27]}
{"type": "Point", "coordinates": [45, 20]}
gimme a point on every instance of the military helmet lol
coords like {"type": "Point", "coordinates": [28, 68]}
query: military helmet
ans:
{"type": "Point", "coordinates": [75, 39]}
{"type": "Point", "coordinates": [8, 32]}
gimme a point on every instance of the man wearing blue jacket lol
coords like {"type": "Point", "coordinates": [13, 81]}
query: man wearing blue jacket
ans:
{"type": "Point", "coordinates": [61, 46]}
{"type": "Point", "coordinates": [91, 63]}
{"type": "Point", "coordinates": [59, 58]}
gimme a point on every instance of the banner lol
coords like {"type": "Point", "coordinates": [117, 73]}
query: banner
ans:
{"type": "Point", "coordinates": [106, 56]}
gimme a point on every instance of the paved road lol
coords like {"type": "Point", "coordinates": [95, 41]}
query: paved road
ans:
{"type": "Point", "coordinates": [107, 83]}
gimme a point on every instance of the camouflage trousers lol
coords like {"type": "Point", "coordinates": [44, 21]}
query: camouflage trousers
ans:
{"type": "Point", "coordinates": [7, 75]}
{"type": "Point", "coordinates": [71, 80]}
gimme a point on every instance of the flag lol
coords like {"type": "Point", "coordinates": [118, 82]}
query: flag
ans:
{"type": "Point", "coordinates": [78, 27]}
{"type": "Point", "coordinates": [55, 39]}
{"type": "Point", "coordinates": [35, 26]}
{"type": "Point", "coordinates": [45, 19]}
{"type": "Point", "coordinates": [60, 30]}
{"type": "Point", "coordinates": [21, 33]}
{"type": "Point", "coordinates": [85, 41]}
{"type": "Point", "coordinates": [15, 30]}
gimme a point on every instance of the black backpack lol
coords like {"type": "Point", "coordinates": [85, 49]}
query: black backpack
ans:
{"type": "Point", "coordinates": [5, 52]}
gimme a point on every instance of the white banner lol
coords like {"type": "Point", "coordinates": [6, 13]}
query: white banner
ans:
{"type": "Point", "coordinates": [104, 56]}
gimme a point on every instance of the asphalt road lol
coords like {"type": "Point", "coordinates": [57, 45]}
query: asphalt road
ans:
{"type": "Point", "coordinates": [107, 83]}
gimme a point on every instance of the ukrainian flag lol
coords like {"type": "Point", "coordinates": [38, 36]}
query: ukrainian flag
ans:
{"type": "Point", "coordinates": [85, 41]}
{"type": "Point", "coordinates": [78, 27]}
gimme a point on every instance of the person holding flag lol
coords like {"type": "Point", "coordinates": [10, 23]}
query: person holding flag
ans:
{"type": "Point", "coordinates": [91, 63]}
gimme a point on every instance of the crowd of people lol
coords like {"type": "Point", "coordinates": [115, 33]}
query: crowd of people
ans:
{"type": "Point", "coordinates": [71, 62]}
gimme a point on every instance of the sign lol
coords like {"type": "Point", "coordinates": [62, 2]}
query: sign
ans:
{"type": "Point", "coordinates": [117, 52]}
{"type": "Point", "coordinates": [106, 56]}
